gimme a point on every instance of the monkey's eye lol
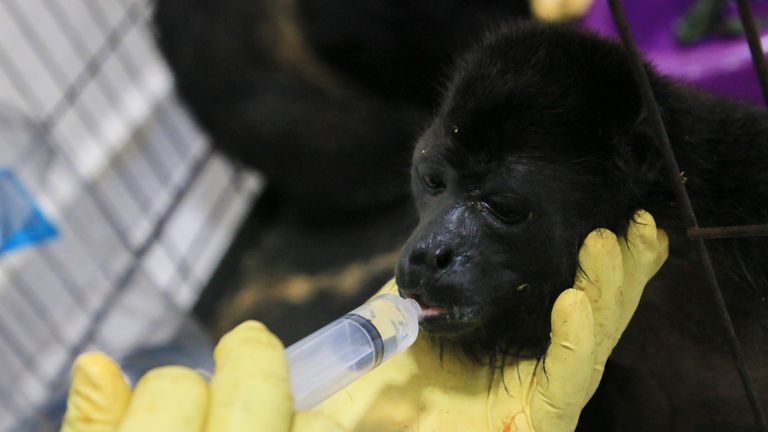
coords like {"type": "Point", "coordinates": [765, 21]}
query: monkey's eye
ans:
{"type": "Point", "coordinates": [433, 182]}
{"type": "Point", "coordinates": [508, 211]}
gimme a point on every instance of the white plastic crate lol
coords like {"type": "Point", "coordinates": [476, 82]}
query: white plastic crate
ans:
{"type": "Point", "coordinates": [91, 131]}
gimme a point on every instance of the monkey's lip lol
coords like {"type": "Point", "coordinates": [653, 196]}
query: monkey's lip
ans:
{"type": "Point", "coordinates": [449, 323]}
{"type": "Point", "coordinates": [428, 310]}
{"type": "Point", "coordinates": [444, 320]}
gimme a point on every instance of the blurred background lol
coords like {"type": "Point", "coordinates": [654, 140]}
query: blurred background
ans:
{"type": "Point", "coordinates": [170, 168]}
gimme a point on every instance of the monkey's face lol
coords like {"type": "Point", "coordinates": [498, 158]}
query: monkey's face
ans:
{"type": "Point", "coordinates": [494, 246]}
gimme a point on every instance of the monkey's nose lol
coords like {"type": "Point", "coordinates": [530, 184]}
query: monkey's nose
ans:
{"type": "Point", "coordinates": [436, 259]}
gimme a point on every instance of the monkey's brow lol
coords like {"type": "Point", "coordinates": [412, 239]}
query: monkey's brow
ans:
{"type": "Point", "coordinates": [431, 155]}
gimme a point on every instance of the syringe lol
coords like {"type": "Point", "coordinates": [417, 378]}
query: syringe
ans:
{"type": "Point", "coordinates": [333, 357]}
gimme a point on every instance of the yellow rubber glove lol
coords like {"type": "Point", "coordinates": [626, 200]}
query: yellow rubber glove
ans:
{"type": "Point", "coordinates": [419, 390]}
{"type": "Point", "coordinates": [429, 389]}
{"type": "Point", "coordinates": [559, 10]}
{"type": "Point", "coordinates": [249, 392]}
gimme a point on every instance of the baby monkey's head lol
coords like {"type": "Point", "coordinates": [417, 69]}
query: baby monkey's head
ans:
{"type": "Point", "coordinates": [537, 142]}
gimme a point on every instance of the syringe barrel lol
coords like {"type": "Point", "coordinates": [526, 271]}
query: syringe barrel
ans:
{"type": "Point", "coordinates": [331, 358]}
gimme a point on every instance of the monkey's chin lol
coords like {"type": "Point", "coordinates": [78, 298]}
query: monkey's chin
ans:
{"type": "Point", "coordinates": [449, 324]}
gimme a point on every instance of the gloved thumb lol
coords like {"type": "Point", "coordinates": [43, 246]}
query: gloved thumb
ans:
{"type": "Point", "coordinates": [562, 379]}
{"type": "Point", "coordinates": [98, 396]}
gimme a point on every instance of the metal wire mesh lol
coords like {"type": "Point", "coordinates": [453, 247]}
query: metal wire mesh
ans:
{"type": "Point", "coordinates": [678, 185]}
{"type": "Point", "coordinates": [144, 208]}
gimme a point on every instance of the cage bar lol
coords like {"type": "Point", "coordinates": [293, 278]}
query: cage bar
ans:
{"type": "Point", "coordinates": [686, 209]}
{"type": "Point", "coordinates": [755, 46]}
{"type": "Point", "coordinates": [727, 232]}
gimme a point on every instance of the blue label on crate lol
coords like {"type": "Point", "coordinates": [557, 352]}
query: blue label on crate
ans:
{"type": "Point", "coordinates": [21, 221]}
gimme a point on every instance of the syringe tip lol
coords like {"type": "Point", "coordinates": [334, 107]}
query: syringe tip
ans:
{"type": "Point", "coordinates": [413, 304]}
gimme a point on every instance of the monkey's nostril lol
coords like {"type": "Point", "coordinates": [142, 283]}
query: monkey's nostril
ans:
{"type": "Point", "coordinates": [443, 258]}
{"type": "Point", "coordinates": [417, 257]}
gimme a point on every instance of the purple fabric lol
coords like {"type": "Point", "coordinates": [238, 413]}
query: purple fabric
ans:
{"type": "Point", "coordinates": [718, 65]}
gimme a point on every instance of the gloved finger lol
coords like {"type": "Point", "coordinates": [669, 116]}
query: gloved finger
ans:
{"type": "Point", "coordinates": [308, 421]}
{"type": "Point", "coordinates": [250, 388]}
{"type": "Point", "coordinates": [559, 10]}
{"type": "Point", "coordinates": [98, 396]}
{"type": "Point", "coordinates": [643, 252]}
{"type": "Point", "coordinates": [169, 398]}
{"type": "Point", "coordinates": [600, 277]}
{"type": "Point", "coordinates": [389, 287]}
{"type": "Point", "coordinates": [562, 378]}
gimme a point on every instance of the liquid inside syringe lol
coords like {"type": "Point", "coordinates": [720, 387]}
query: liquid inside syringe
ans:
{"type": "Point", "coordinates": [333, 357]}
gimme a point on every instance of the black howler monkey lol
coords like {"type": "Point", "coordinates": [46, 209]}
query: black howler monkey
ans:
{"type": "Point", "coordinates": [541, 137]}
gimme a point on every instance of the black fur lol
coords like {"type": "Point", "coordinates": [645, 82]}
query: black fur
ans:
{"type": "Point", "coordinates": [541, 138]}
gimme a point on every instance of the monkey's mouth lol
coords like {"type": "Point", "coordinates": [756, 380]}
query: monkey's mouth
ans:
{"type": "Point", "coordinates": [428, 310]}
{"type": "Point", "coordinates": [446, 320]}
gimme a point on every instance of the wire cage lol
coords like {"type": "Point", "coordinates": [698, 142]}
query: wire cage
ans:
{"type": "Point", "coordinates": [128, 203]}
{"type": "Point", "coordinates": [113, 209]}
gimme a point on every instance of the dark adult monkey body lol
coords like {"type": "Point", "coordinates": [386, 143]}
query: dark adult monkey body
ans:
{"type": "Point", "coordinates": [541, 137]}
{"type": "Point", "coordinates": [325, 97]}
